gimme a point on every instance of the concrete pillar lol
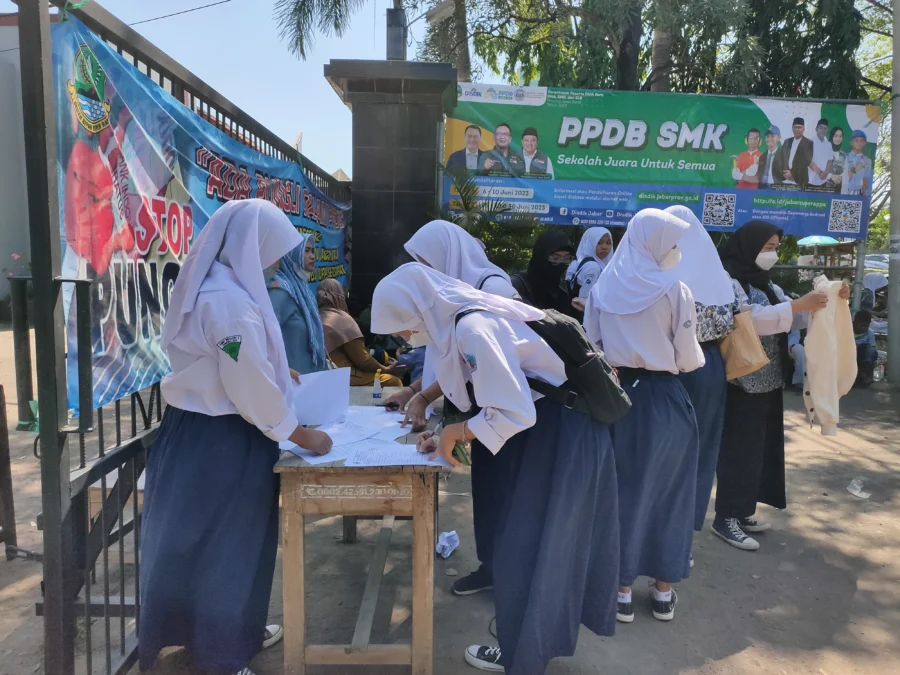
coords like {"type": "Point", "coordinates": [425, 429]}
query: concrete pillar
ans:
{"type": "Point", "coordinates": [398, 112]}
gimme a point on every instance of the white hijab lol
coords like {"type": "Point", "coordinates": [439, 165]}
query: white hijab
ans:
{"type": "Point", "coordinates": [245, 236]}
{"type": "Point", "coordinates": [587, 248]}
{"type": "Point", "coordinates": [452, 251]}
{"type": "Point", "coordinates": [418, 298]}
{"type": "Point", "coordinates": [700, 267]}
{"type": "Point", "coordinates": [633, 280]}
{"type": "Point", "coordinates": [875, 281]}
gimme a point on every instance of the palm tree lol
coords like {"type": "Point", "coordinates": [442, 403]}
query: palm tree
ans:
{"type": "Point", "coordinates": [300, 20]}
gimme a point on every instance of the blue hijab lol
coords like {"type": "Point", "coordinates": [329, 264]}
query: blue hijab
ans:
{"type": "Point", "coordinates": [292, 278]}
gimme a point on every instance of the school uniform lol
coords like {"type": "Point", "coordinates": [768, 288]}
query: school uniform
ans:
{"type": "Point", "coordinates": [555, 548]}
{"type": "Point", "coordinates": [585, 270]}
{"type": "Point", "coordinates": [644, 320]}
{"type": "Point", "coordinates": [751, 462]}
{"type": "Point", "coordinates": [209, 532]}
{"type": "Point", "coordinates": [701, 270]}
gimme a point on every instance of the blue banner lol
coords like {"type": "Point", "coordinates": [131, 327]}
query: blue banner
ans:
{"type": "Point", "coordinates": [139, 176]}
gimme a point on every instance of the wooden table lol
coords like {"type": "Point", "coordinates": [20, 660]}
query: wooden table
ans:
{"type": "Point", "coordinates": [390, 492]}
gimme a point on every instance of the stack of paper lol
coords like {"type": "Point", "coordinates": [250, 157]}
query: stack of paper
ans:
{"type": "Point", "coordinates": [361, 435]}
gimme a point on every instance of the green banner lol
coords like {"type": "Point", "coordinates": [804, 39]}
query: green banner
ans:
{"type": "Point", "coordinates": [595, 157]}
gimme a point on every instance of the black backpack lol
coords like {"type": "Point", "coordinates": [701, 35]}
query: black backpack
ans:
{"type": "Point", "coordinates": [592, 386]}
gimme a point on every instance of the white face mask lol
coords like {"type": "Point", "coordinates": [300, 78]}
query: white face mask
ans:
{"type": "Point", "coordinates": [670, 259]}
{"type": "Point", "coordinates": [767, 259]}
{"type": "Point", "coordinates": [420, 339]}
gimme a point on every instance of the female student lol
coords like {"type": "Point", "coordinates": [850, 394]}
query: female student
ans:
{"type": "Point", "coordinates": [296, 309]}
{"type": "Point", "coordinates": [644, 319]}
{"type": "Point", "coordinates": [751, 461]}
{"type": "Point", "coordinates": [555, 554]}
{"type": "Point", "coordinates": [450, 250]}
{"type": "Point", "coordinates": [344, 340]}
{"type": "Point", "coordinates": [541, 284]}
{"type": "Point", "coordinates": [592, 256]}
{"type": "Point", "coordinates": [210, 519]}
{"type": "Point", "coordinates": [453, 251]}
{"type": "Point", "coordinates": [701, 271]}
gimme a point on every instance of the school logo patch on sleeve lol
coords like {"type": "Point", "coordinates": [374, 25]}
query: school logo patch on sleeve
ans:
{"type": "Point", "coordinates": [687, 324]}
{"type": "Point", "coordinates": [470, 361]}
{"type": "Point", "coordinates": [231, 346]}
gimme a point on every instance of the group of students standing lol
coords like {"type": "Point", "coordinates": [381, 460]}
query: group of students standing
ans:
{"type": "Point", "coordinates": [568, 511]}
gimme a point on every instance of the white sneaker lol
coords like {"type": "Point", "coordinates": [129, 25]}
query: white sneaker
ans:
{"type": "Point", "coordinates": [245, 671]}
{"type": "Point", "coordinates": [272, 636]}
{"type": "Point", "coordinates": [484, 658]}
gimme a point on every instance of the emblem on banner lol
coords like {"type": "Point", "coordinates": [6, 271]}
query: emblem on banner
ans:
{"type": "Point", "coordinates": [88, 91]}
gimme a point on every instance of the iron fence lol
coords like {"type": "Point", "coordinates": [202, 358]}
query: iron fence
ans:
{"type": "Point", "coordinates": [92, 466]}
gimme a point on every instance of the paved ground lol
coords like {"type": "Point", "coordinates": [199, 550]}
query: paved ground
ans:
{"type": "Point", "coordinates": [820, 598]}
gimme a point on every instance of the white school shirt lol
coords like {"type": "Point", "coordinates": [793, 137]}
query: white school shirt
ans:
{"type": "Point", "coordinates": [497, 356]}
{"type": "Point", "coordinates": [588, 275]}
{"type": "Point", "coordinates": [205, 379]}
{"type": "Point", "coordinates": [662, 337]}
{"type": "Point", "coordinates": [494, 285]}
{"type": "Point", "coordinates": [823, 152]}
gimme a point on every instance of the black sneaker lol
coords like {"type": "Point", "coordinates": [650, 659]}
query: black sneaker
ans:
{"type": "Point", "coordinates": [479, 580]}
{"type": "Point", "coordinates": [729, 530]}
{"type": "Point", "coordinates": [752, 525]}
{"type": "Point", "coordinates": [663, 610]}
{"type": "Point", "coordinates": [625, 612]}
{"type": "Point", "coordinates": [484, 658]}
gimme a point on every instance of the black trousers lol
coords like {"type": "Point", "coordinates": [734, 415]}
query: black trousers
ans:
{"type": "Point", "coordinates": [751, 459]}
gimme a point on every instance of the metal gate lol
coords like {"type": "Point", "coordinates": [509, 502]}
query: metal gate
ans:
{"type": "Point", "coordinates": [90, 470]}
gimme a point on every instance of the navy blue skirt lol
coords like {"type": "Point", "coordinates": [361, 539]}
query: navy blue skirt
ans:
{"type": "Point", "coordinates": [707, 388]}
{"type": "Point", "coordinates": [656, 447]}
{"type": "Point", "coordinates": [556, 548]}
{"type": "Point", "coordinates": [487, 501]}
{"type": "Point", "coordinates": [209, 540]}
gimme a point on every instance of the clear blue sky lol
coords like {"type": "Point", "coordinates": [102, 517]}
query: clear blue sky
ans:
{"type": "Point", "coordinates": [235, 48]}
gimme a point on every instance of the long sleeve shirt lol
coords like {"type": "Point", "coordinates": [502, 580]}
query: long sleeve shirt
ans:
{"type": "Point", "coordinates": [498, 356]}
{"type": "Point", "coordinates": [221, 366]}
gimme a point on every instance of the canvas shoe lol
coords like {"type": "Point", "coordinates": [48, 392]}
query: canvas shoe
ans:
{"type": "Point", "coordinates": [479, 580]}
{"type": "Point", "coordinates": [484, 658]}
{"type": "Point", "coordinates": [663, 610]}
{"type": "Point", "coordinates": [272, 636]}
{"type": "Point", "coordinates": [729, 530]}
{"type": "Point", "coordinates": [752, 525]}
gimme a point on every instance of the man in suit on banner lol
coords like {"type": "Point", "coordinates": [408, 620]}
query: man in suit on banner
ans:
{"type": "Point", "coordinates": [797, 154]}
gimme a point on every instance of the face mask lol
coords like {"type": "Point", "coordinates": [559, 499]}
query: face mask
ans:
{"type": "Point", "coordinates": [419, 339]}
{"type": "Point", "coordinates": [670, 259]}
{"type": "Point", "coordinates": [269, 274]}
{"type": "Point", "coordinates": [767, 259]}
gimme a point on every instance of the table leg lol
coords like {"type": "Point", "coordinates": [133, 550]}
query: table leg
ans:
{"type": "Point", "coordinates": [349, 523]}
{"type": "Point", "coordinates": [293, 579]}
{"type": "Point", "coordinates": [423, 573]}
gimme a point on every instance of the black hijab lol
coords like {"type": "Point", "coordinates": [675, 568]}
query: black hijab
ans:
{"type": "Point", "coordinates": [739, 256]}
{"type": "Point", "coordinates": [543, 276]}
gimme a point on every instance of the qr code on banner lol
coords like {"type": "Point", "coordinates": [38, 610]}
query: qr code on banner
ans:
{"type": "Point", "coordinates": [845, 216]}
{"type": "Point", "coordinates": [718, 210]}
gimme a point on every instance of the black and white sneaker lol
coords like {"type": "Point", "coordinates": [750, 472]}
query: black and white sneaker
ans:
{"type": "Point", "coordinates": [663, 610]}
{"type": "Point", "coordinates": [272, 636]}
{"type": "Point", "coordinates": [729, 530]}
{"type": "Point", "coordinates": [479, 580]}
{"type": "Point", "coordinates": [484, 658]}
{"type": "Point", "coordinates": [753, 525]}
{"type": "Point", "coordinates": [625, 612]}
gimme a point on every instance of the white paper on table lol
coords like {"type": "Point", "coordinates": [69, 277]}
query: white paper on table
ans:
{"type": "Point", "coordinates": [336, 455]}
{"type": "Point", "coordinates": [322, 397]}
{"type": "Point", "coordinates": [380, 453]}
{"type": "Point", "coordinates": [341, 433]}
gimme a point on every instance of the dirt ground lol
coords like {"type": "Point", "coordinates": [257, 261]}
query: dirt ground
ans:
{"type": "Point", "coordinates": [821, 597]}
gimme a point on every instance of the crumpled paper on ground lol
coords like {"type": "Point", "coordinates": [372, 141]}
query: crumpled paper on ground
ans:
{"type": "Point", "coordinates": [447, 543]}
